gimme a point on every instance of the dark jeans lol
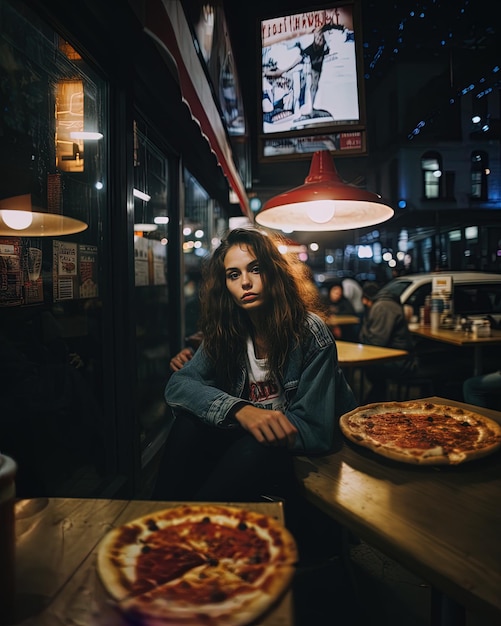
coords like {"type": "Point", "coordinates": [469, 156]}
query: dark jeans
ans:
{"type": "Point", "coordinates": [204, 463]}
{"type": "Point", "coordinates": [207, 464]}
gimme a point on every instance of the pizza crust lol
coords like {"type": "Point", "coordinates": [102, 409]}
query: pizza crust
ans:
{"type": "Point", "coordinates": [190, 565]}
{"type": "Point", "coordinates": [155, 606]}
{"type": "Point", "coordinates": [421, 432]}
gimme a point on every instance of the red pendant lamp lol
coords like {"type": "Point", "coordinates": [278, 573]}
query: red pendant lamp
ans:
{"type": "Point", "coordinates": [323, 203]}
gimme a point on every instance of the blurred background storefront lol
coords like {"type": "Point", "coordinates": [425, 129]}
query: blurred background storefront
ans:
{"type": "Point", "coordinates": [125, 166]}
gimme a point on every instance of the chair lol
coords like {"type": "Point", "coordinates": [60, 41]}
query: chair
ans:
{"type": "Point", "coordinates": [401, 390]}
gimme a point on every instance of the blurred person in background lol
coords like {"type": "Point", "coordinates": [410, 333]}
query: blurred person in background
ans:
{"type": "Point", "coordinates": [385, 324]}
{"type": "Point", "coordinates": [338, 304]}
{"type": "Point", "coordinates": [352, 289]}
{"type": "Point", "coordinates": [484, 390]}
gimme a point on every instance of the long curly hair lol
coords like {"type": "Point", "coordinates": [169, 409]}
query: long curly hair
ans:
{"type": "Point", "coordinates": [289, 296]}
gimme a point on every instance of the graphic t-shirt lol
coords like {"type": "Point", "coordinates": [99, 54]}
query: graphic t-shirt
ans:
{"type": "Point", "coordinates": [263, 387]}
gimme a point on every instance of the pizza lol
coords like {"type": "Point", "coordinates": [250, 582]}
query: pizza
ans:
{"type": "Point", "coordinates": [422, 432]}
{"type": "Point", "coordinates": [203, 564]}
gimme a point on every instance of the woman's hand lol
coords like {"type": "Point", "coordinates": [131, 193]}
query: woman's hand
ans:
{"type": "Point", "coordinates": [267, 426]}
{"type": "Point", "coordinates": [177, 362]}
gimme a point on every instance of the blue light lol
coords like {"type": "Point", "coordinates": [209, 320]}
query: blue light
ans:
{"type": "Point", "coordinates": [255, 204]}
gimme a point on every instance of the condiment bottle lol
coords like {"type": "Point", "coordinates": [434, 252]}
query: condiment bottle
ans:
{"type": "Point", "coordinates": [434, 319]}
{"type": "Point", "coordinates": [426, 310]}
{"type": "Point", "coordinates": [437, 305]}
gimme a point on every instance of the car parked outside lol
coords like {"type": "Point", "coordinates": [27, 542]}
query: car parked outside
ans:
{"type": "Point", "coordinates": [474, 293]}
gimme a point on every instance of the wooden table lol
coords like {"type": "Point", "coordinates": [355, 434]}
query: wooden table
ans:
{"type": "Point", "coordinates": [462, 339]}
{"type": "Point", "coordinates": [442, 523]}
{"type": "Point", "coordinates": [57, 540]}
{"type": "Point", "coordinates": [342, 320]}
{"type": "Point", "coordinates": [359, 354]}
{"type": "Point", "coordinates": [353, 356]}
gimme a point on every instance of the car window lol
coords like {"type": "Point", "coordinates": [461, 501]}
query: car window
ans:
{"type": "Point", "coordinates": [474, 299]}
{"type": "Point", "coordinates": [469, 299]}
{"type": "Point", "coordinates": [417, 297]}
{"type": "Point", "coordinates": [395, 287]}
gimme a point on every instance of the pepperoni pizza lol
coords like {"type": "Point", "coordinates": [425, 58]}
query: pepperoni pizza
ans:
{"type": "Point", "coordinates": [422, 432]}
{"type": "Point", "coordinates": [197, 564]}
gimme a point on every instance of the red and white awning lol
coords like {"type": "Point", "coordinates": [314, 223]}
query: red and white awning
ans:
{"type": "Point", "coordinates": [165, 22]}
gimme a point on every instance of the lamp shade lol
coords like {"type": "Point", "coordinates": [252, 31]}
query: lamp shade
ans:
{"type": "Point", "coordinates": [323, 203]}
{"type": "Point", "coordinates": [19, 218]}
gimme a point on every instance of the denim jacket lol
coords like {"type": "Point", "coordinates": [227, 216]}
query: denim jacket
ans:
{"type": "Point", "coordinates": [316, 391]}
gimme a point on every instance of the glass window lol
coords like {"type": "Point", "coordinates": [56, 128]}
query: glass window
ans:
{"type": "Point", "coordinates": [198, 233]}
{"type": "Point", "coordinates": [431, 167]}
{"type": "Point", "coordinates": [151, 217]}
{"type": "Point", "coordinates": [479, 172]}
{"type": "Point", "coordinates": [53, 155]}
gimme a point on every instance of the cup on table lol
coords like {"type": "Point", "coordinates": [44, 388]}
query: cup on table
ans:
{"type": "Point", "coordinates": [8, 469]}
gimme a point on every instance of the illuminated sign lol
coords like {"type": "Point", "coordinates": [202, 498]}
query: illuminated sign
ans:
{"type": "Point", "coordinates": [311, 82]}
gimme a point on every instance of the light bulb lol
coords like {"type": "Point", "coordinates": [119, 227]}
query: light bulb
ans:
{"type": "Point", "coordinates": [17, 220]}
{"type": "Point", "coordinates": [320, 212]}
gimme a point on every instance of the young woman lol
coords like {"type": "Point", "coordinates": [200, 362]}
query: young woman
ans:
{"type": "Point", "coordinates": [264, 385]}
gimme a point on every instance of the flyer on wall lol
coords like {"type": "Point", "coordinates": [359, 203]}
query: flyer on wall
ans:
{"type": "Point", "coordinates": [64, 270]}
{"type": "Point", "coordinates": [10, 271]}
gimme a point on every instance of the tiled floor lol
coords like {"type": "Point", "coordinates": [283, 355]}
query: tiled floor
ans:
{"type": "Point", "coordinates": [378, 592]}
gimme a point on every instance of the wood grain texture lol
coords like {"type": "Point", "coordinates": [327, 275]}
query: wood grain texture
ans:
{"type": "Point", "coordinates": [457, 338]}
{"type": "Point", "coordinates": [359, 354]}
{"type": "Point", "coordinates": [442, 523]}
{"type": "Point", "coordinates": [56, 551]}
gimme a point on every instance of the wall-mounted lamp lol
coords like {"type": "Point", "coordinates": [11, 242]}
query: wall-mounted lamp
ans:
{"type": "Point", "coordinates": [323, 203]}
{"type": "Point", "coordinates": [18, 217]}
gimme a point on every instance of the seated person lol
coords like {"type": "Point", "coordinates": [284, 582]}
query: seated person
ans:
{"type": "Point", "coordinates": [263, 386]}
{"type": "Point", "coordinates": [352, 289]}
{"type": "Point", "coordinates": [184, 355]}
{"type": "Point", "coordinates": [484, 390]}
{"type": "Point", "coordinates": [338, 304]}
{"type": "Point", "coordinates": [384, 324]}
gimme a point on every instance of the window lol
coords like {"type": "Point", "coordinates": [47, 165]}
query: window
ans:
{"type": "Point", "coordinates": [55, 418]}
{"type": "Point", "coordinates": [431, 167]}
{"type": "Point", "coordinates": [151, 289]}
{"type": "Point", "coordinates": [479, 172]}
{"type": "Point", "coordinates": [198, 232]}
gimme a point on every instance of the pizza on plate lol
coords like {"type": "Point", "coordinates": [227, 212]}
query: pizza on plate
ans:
{"type": "Point", "coordinates": [422, 432]}
{"type": "Point", "coordinates": [203, 564]}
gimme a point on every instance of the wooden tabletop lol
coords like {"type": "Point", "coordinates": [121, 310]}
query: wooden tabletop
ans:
{"type": "Point", "coordinates": [56, 577]}
{"type": "Point", "coordinates": [341, 320]}
{"type": "Point", "coordinates": [457, 338]}
{"type": "Point", "coordinates": [462, 339]}
{"type": "Point", "coordinates": [442, 523]}
{"type": "Point", "coordinates": [356, 354]}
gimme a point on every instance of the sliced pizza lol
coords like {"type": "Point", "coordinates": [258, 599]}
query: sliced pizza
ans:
{"type": "Point", "coordinates": [197, 564]}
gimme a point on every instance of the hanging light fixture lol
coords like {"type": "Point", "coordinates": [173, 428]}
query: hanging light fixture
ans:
{"type": "Point", "coordinates": [18, 217]}
{"type": "Point", "coordinates": [323, 203]}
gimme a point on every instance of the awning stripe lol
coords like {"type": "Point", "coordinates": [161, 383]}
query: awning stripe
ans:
{"type": "Point", "coordinates": [166, 23]}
